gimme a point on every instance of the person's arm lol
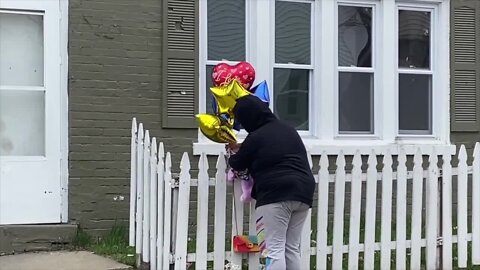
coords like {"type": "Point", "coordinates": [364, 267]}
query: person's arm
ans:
{"type": "Point", "coordinates": [244, 156]}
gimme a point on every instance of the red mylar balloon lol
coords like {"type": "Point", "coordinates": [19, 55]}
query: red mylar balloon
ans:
{"type": "Point", "coordinates": [224, 73]}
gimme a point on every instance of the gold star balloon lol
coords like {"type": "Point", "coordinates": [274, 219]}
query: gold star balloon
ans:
{"type": "Point", "coordinates": [226, 96]}
{"type": "Point", "coordinates": [215, 129]}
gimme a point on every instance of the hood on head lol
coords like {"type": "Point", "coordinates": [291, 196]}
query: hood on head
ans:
{"type": "Point", "coordinates": [252, 113]}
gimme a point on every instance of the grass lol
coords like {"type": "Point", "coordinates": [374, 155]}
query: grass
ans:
{"type": "Point", "coordinates": [114, 244]}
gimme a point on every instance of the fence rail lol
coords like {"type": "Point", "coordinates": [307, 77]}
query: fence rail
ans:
{"type": "Point", "coordinates": [402, 216]}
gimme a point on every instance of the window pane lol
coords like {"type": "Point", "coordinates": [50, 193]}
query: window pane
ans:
{"type": "Point", "coordinates": [21, 49]}
{"type": "Point", "coordinates": [226, 30]}
{"type": "Point", "coordinates": [22, 123]}
{"type": "Point", "coordinates": [291, 91]}
{"type": "Point", "coordinates": [209, 96]}
{"type": "Point", "coordinates": [415, 103]}
{"type": "Point", "coordinates": [414, 39]}
{"type": "Point", "coordinates": [355, 36]}
{"type": "Point", "coordinates": [355, 102]}
{"type": "Point", "coordinates": [292, 32]}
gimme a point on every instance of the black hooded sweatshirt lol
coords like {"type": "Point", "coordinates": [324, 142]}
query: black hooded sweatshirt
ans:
{"type": "Point", "coordinates": [274, 155]}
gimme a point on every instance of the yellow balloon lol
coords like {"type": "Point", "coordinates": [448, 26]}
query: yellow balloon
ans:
{"type": "Point", "coordinates": [230, 121]}
{"type": "Point", "coordinates": [226, 96]}
{"type": "Point", "coordinates": [216, 130]}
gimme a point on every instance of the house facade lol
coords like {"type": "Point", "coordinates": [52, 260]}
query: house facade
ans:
{"type": "Point", "coordinates": [348, 74]}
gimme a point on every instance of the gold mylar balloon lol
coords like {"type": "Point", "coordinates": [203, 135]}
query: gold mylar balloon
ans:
{"type": "Point", "coordinates": [229, 122]}
{"type": "Point", "coordinates": [216, 130]}
{"type": "Point", "coordinates": [226, 96]}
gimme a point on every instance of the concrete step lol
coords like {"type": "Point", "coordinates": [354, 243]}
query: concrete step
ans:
{"type": "Point", "coordinates": [28, 238]}
{"type": "Point", "coordinates": [60, 260]}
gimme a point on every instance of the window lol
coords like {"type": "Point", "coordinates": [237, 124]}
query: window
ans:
{"type": "Point", "coordinates": [22, 92]}
{"type": "Point", "coordinates": [355, 69]}
{"type": "Point", "coordinates": [414, 71]}
{"type": "Point", "coordinates": [363, 71]}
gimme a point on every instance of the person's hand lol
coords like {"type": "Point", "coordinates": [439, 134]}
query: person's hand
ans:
{"type": "Point", "coordinates": [233, 147]}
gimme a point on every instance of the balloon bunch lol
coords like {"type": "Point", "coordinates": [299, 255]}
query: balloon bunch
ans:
{"type": "Point", "coordinates": [230, 83]}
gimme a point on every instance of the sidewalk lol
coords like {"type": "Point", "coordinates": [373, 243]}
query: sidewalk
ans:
{"type": "Point", "coordinates": [62, 260]}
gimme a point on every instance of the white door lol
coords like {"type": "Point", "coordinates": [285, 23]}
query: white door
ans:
{"type": "Point", "coordinates": [30, 102]}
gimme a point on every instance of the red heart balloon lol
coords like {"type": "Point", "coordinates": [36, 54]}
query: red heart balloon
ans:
{"type": "Point", "coordinates": [223, 74]}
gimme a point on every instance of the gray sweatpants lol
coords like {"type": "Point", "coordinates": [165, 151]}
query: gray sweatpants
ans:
{"type": "Point", "coordinates": [282, 225]}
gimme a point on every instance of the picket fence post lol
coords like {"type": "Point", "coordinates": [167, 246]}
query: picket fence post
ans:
{"type": "Point", "coordinates": [447, 211]}
{"type": "Point", "coordinates": [322, 214]}
{"type": "Point", "coordinates": [167, 222]}
{"type": "Point", "coordinates": [371, 209]}
{"type": "Point", "coordinates": [153, 204]}
{"type": "Point", "coordinates": [182, 214]}
{"type": "Point", "coordinates": [160, 206]}
{"type": "Point", "coordinates": [462, 219]}
{"type": "Point", "coordinates": [355, 207]}
{"type": "Point", "coordinates": [432, 210]}
{"type": "Point", "coordinates": [417, 190]}
{"type": "Point", "coordinates": [220, 213]}
{"type": "Point", "coordinates": [139, 210]}
{"type": "Point", "coordinates": [133, 183]}
{"type": "Point", "coordinates": [338, 218]}
{"type": "Point", "coordinates": [305, 241]}
{"type": "Point", "coordinates": [476, 205]}
{"type": "Point", "coordinates": [202, 214]}
{"type": "Point", "coordinates": [401, 219]}
{"type": "Point", "coordinates": [386, 234]}
{"type": "Point", "coordinates": [146, 198]}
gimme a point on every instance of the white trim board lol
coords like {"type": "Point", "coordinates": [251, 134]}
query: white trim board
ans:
{"type": "Point", "coordinates": [63, 5]}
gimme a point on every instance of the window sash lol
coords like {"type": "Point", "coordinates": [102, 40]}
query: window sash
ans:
{"type": "Point", "coordinates": [432, 131]}
{"type": "Point", "coordinates": [339, 134]}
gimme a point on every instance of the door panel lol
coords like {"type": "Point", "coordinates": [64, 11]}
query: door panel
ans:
{"type": "Point", "coordinates": [28, 195]}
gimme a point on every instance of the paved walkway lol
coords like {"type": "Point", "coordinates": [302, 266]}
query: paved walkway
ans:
{"type": "Point", "coordinates": [61, 260]}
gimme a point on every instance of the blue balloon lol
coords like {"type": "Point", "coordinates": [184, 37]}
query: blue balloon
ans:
{"type": "Point", "coordinates": [261, 91]}
{"type": "Point", "coordinates": [214, 105]}
{"type": "Point", "coordinates": [224, 117]}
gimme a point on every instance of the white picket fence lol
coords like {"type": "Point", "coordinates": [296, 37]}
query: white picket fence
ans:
{"type": "Point", "coordinates": [159, 214]}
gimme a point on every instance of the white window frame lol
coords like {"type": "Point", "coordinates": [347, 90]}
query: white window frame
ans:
{"type": "Point", "coordinates": [323, 134]}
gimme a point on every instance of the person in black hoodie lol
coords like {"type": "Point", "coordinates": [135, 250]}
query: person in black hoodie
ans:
{"type": "Point", "coordinates": [275, 156]}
